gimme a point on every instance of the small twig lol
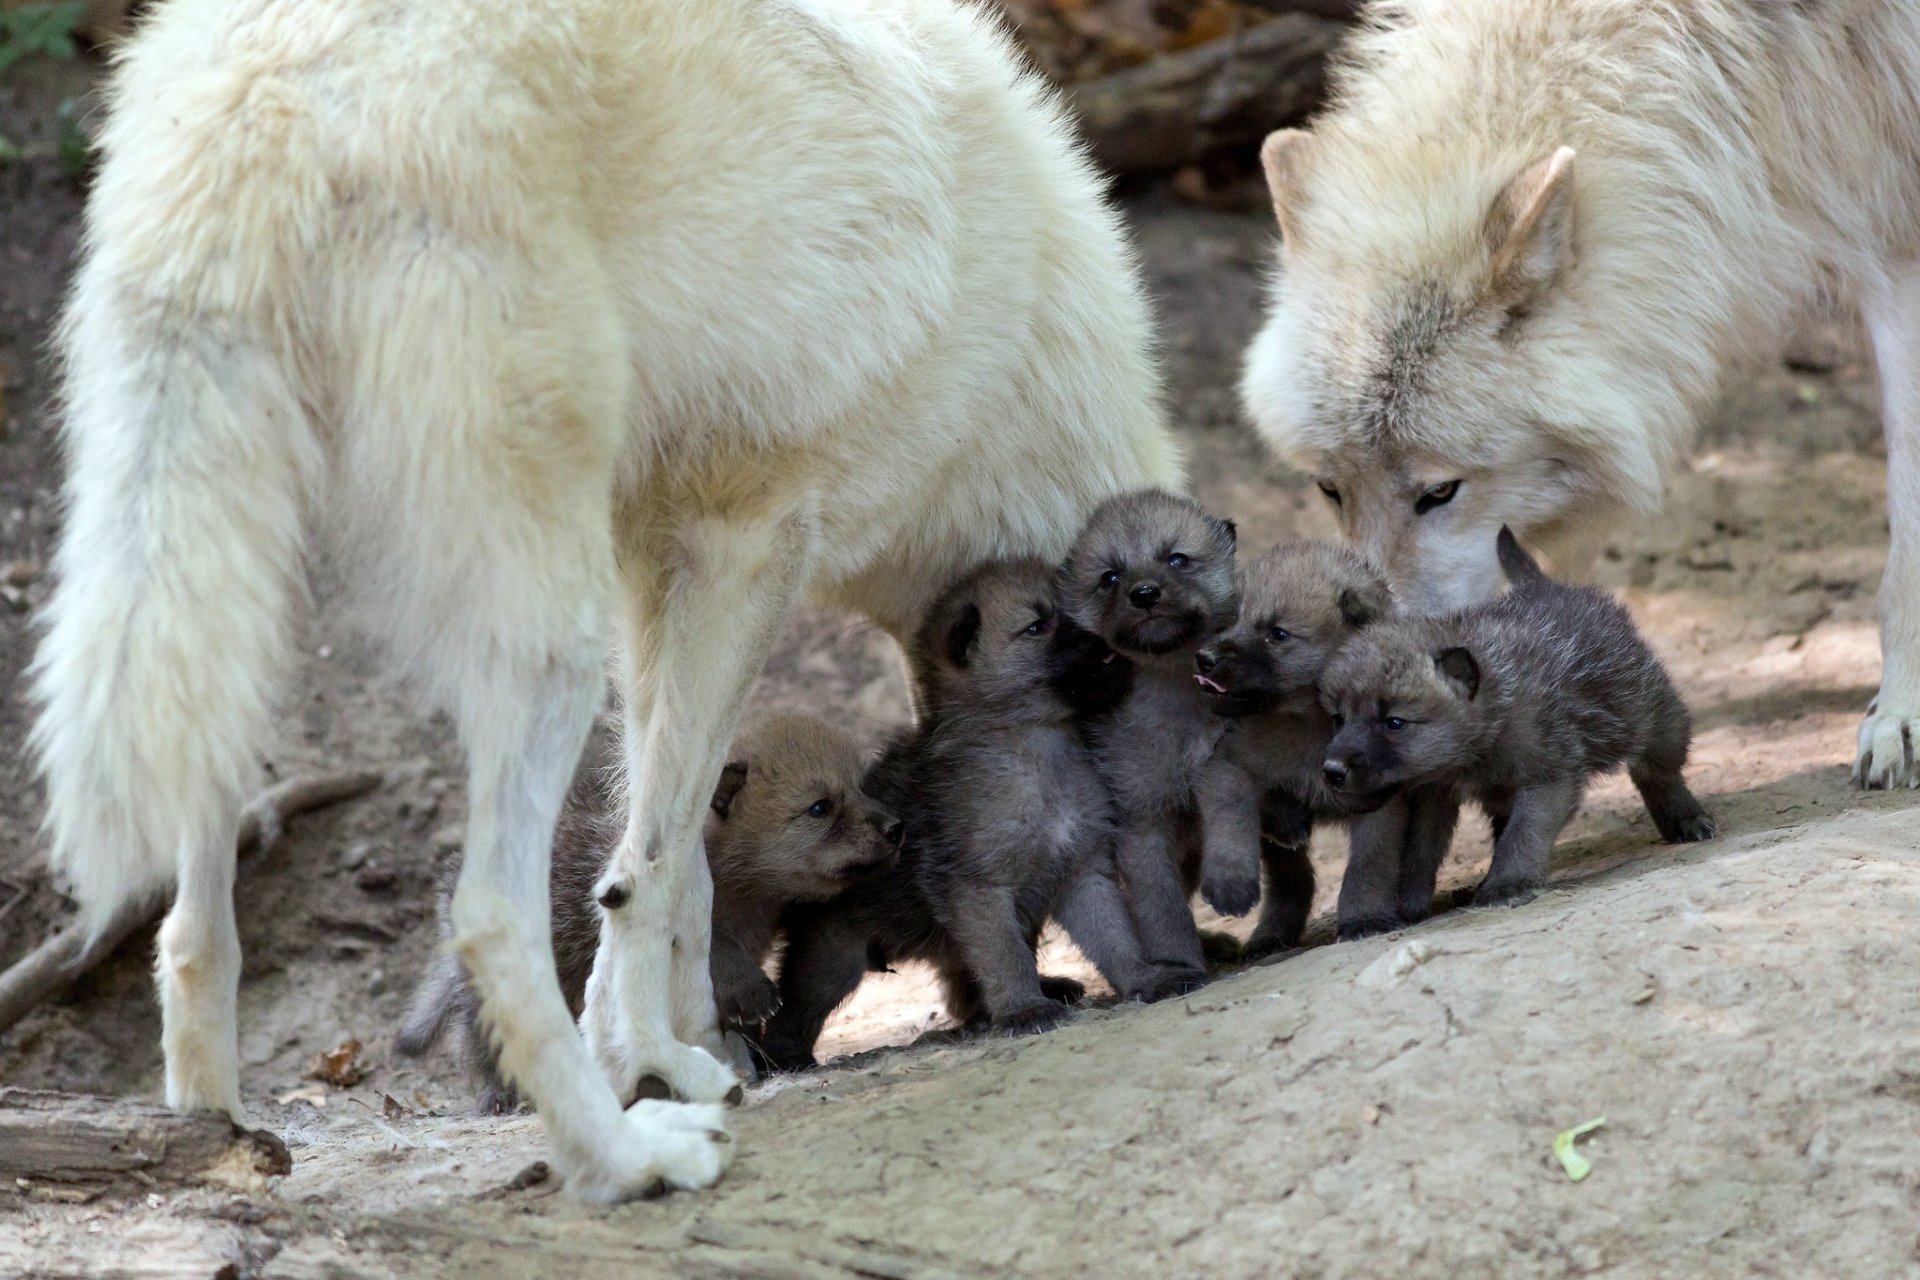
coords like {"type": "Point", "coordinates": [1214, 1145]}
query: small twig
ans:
{"type": "Point", "coordinates": [65, 956]}
{"type": "Point", "coordinates": [19, 896]}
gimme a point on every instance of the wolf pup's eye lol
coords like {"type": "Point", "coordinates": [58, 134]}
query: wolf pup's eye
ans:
{"type": "Point", "coordinates": [1332, 491]}
{"type": "Point", "coordinates": [1438, 495]}
{"type": "Point", "coordinates": [1035, 627]}
{"type": "Point", "coordinates": [1277, 634]}
{"type": "Point", "coordinates": [1109, 578]}
{"type": "Point", "coordinates": [1395, 724]}
{"type": "Point", "coordinates": [1177, 561]}
{"type": "Point", "coordinates": [820, 808]}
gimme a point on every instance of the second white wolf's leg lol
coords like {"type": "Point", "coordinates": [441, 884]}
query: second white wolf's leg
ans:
{"type": "Point", "coordinates": [705, 604]}
{"type": "Point", "coordinates": [1886, 747]}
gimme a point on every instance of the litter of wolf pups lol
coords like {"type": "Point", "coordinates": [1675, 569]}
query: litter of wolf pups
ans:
{"type": "Point", "coordinates": [1157, 716]}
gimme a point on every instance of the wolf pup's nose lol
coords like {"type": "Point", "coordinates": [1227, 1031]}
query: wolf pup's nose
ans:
{"type": "Point", "coordinates": [1206, 660]}
{"type": "Point", "coordinates": [1144, 596]}
{"type": "Point", "coordinates": [1335, 772]}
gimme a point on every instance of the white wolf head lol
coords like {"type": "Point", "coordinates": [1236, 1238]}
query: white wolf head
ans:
{"type": "Point", "coordinates": [1435, 360]}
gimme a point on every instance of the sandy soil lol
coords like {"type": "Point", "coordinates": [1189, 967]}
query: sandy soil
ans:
{"type": "Point", "coordinates": [1742, 1013]}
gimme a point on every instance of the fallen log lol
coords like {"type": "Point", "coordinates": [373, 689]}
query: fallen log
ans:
{"type": "Point", "coordinates": [88, 1143]}
{"type": "Point", "coordinates": [65, 956]}
{"type": "Point", "coordinates": [1178, 109]}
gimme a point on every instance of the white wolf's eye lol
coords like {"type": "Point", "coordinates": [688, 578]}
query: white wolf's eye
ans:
{"type": "Point", "coordinates": [1438, 495]}
{"type": "Point", "coordinates": [1332, 491]}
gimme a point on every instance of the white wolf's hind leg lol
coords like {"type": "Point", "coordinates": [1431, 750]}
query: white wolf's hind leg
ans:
{"type": "Point", "coordinates": [198, 972]}
{"type": "Point", "coordinates": [1887, 747]}
{"type": "Point", "coordinates": [696, 635]}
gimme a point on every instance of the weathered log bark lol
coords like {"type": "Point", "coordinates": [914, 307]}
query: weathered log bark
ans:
{"type": "Point", "coordinates": [68, 1138]}
{"type": "Point", "coordinates": [1175, 110]}
{"type": "Point", "coordinates": [65, 956]}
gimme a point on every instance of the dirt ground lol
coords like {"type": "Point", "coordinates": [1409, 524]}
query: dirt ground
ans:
{"type": "Point", "coordinates": [1743, 1013]}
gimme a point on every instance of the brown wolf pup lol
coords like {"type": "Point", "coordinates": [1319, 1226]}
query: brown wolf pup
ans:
{"type": "Point", "coordinates": [1515, 704]}
{"type": "Point", "coordinates": [789, 823]}
{"type": "Point", "coordinates": [1263, 789]}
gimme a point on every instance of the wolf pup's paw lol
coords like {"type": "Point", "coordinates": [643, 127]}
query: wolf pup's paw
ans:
{"type": "Point", "coordinates": [1221, 948]}
{"type": "Point", "coordinates": [1062, 990]}
{"type": "Point", "coordinates": [1367, 927]}
{"type": "Point", "coordinates": [1690, 829]}
{"type": "Point", "coordinates": [1169, 981]}
{"type": "Point", "coordinates": [749, 1005]}
{"type": "Point", "coordinates": [660, 1146]}
{"type": "Point", "coordinates": [1262, 945]}
{"type": "Point", "coordinates": [1231, 893]}
{"type": "Point", "coordinates": [1044, 1016]}
{"type": "Point", "coordinates": [1885, 758]}
{"type": "Point", "coordinates": [1511, 893]}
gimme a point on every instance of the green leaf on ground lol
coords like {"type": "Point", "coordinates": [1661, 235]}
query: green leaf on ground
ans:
{"type": "Point", "coordinates": [1576, 1165]}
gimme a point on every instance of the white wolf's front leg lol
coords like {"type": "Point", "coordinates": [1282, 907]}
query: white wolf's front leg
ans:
{"type": "Point", "coordinates": [705, 606]}
{"type": "Point", "coordinates": [1886, 755]}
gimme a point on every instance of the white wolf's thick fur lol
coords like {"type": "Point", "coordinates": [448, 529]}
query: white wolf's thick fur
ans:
{"type": "Point", "coordinates": [579, 325]}
{"type": "Point", "coordinates": [1456, 304]}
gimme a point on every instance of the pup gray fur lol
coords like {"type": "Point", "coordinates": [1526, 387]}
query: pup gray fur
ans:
{"type": "Point", "coordinates": [1153, 575]}
{"type": "Point", "coordinates": [1008, 823]}
{"type": "Point", "coordinates": [789, 823]}
{"type": "Point", "coordinates": [1515, 704]}
{"type": "Point", "coordinates": [1263, 789]}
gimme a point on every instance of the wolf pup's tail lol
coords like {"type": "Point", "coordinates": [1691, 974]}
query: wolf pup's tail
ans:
{"type": "Point", "coordinates": [432, 1006]}
{"type": "Point", "coordinates": [189, 461]}
{"type": "Point", "coordinates": [1522, 570]}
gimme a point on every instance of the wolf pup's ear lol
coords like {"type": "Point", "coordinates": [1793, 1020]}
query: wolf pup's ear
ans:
{"type": "Point", "coordinates": [961, 635]}
{"type": "Point", "coordinates": [732, 778]}
{"type": "Point", "coordinates": [1228, 530]}
{"type": "Point", "coordinates": [1529, 233]}
{"type": "Point", "coordinates": [1286, 156]}
{"type": "Point", "coordinates": [1458, 669]}
{"type": "Point", "coordinates": [1361, 605]}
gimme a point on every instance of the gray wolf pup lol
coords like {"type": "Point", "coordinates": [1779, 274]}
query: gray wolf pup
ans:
{"type": "Point", "coordinates": [1152, 575]}
{"type": "Point", "coordinates": [1263, 789]}
{"type": "Point", "coordinates": [1515, 704]}
{"type": "Point", "coordinates": [1008, 823]}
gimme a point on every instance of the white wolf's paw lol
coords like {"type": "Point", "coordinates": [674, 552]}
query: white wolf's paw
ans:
{"type": "Point", "coordinates": [660, 1146]}
{"type": "Point", "coordinates": [666, 1070]}
{"type": "Point", "coordinates": [1886, 755]}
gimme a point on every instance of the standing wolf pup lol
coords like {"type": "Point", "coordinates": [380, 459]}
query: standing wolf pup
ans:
{"type": "Point", "coordinates": [789, 822]}
{"type": "Point", "coordinates": [1515, 704]}
{"type": "Point", "coordinates": [1529, 239]}
{"type": "Point", "coordinates": [1152, 575]}
{"type": "Point", "coordinates": [571, 336]}
{"type": "Point", "coordinates": [1008, 823]}
{"type": "Point", "coordinates": [1263, 788]}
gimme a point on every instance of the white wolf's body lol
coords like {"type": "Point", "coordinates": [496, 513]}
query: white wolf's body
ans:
{"type": "Point", "coordinates": [578, 325]}
{"type": "Point", "coordinates": [1462, 299]}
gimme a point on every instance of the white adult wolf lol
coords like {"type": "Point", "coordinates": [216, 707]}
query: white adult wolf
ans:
{"type": "Point", "coordinates": [579, 326]}
{"type": "Point", "coordinates": [1529, 239]}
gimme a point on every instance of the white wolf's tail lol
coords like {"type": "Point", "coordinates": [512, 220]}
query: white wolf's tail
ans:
{"type": "Point", "coordinates": [188, 458]}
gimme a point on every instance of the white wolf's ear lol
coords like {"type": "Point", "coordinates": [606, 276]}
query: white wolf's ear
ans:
{"type": "Point", "coordinates": [1529, 232]}
{"type": "Point", "coordinates": [1286, 155]}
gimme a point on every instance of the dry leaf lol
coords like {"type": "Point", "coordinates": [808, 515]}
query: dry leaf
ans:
{"type": "Point", "coordinates": [338, 1067]}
